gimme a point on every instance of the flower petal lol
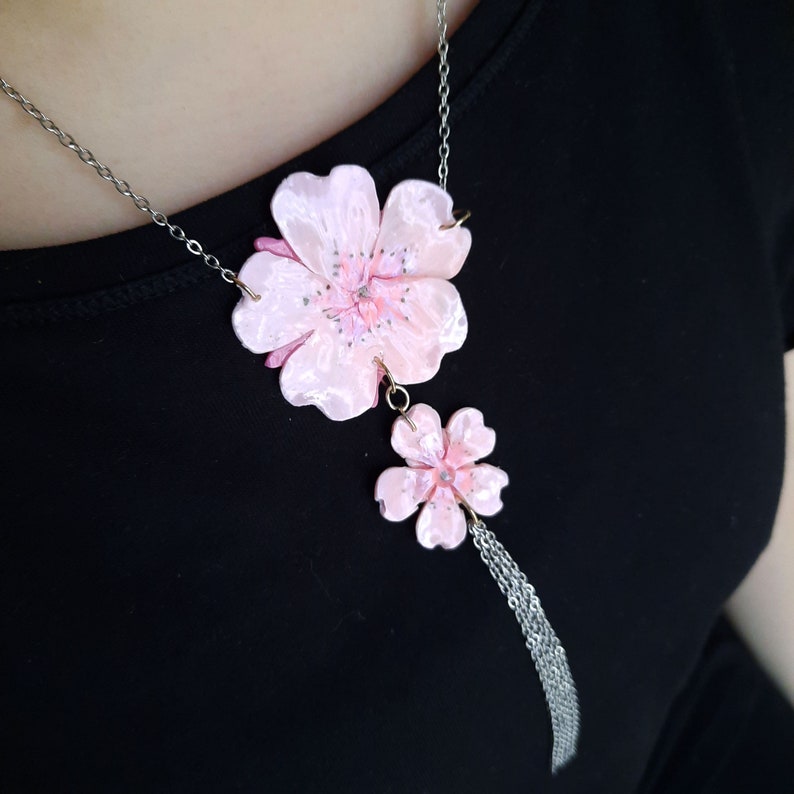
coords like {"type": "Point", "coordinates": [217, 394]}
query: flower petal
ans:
{"type": "Point", "coordinates": [400, 490]}
{"type": "Point", "coordinates": [327, 218]}
{"type": "Point", "coordinates": [336, 376]}
{"type": "Point", "coordinates": [411, 239]}
{"type": "Point", "coordinates": [420, 321]}
{"type": "Point", "coordinates": [276, 358]}
{"type": "Point", "coordinates": [289, 305]}
{"type": "Point", "coordinates": [480, 486]}
{"type": "Point", "coordinates": [468, 439]}
{"type": "Point", "coordinates": [425, 445]}
{"type": "Point", "coordinates": [441, 522]}
{"type": "Point", "coordinates": [275, 245]}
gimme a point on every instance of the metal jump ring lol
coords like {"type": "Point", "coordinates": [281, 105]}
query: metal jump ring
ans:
{"type": "Point", "coordinates": [395, 388]}
{"type": "Point", "coordinates": [398, 389]}
{"type": "Point", "coordinates": [460, 216]}
{"type": "Point", "coordinates": [246, 289]}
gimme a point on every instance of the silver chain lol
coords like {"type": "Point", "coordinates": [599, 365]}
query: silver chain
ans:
{"type": "Point", "coordinates": [547, 653]}
{"type": "Point", "coordinates": [443, 94]}
{"type": "Point", "coordinates": [122, 186]}
{"type": "Point", "coordinates": [161, 219]}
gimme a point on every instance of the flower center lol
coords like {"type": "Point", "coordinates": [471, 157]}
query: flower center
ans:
{"type": "Point", "coordinates": [363, 300]}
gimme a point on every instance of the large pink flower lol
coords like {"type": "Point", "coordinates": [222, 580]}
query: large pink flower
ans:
{"type": "Point", "coordinates": [348, 283]}
{"type": "Point", "coordinates": [442, 473]}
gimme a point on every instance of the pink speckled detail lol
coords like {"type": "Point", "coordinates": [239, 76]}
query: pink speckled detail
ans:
{"type": "Point", "coordinates": [441, 471]}
{"type": "Point", "coordinates": [348, 282]}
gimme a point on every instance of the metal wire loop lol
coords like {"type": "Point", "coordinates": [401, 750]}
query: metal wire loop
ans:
{"type": "Point", "coordinates": [473, 517]}
{"type": "Point", "coordinates": [401, 390]}
{"type": "Point", "coordinates": [245, 288]}
{"type": "Point", "coordinates": [393, 388]}
{"type": "Point", "coordinates": [460, 216]}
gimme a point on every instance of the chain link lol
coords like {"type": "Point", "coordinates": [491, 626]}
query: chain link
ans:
{"type": "Point", "coordinates": [547, 653]}
{"type": "Point", "coordinates": [443, 94]}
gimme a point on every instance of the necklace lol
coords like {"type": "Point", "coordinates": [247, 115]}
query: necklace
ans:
{"type": "Point", "coordinates": [352, 296]}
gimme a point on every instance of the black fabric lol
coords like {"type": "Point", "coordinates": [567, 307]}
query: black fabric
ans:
{"type": "Point", "coordinates": [199, 594]}
{"type": "Point", "coordinates": [730, 729]}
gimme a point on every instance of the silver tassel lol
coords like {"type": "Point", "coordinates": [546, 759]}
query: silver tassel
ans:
{"type": "Point", "coordinates": [549, 656]}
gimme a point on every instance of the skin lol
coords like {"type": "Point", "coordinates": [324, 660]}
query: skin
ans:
{"type": "Point", "coordinates": [186, 101]}
{"type": "Point", "coordinates": [761, 608]}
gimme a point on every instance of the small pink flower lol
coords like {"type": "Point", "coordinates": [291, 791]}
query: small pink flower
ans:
{"type": "Point", "coordinates": [441, 472]}
{"type": "Point", "coordinates": [348, 283]}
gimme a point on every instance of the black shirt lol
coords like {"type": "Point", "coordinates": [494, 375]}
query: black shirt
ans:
{"type": "Point", "coordinates": [199, 593]}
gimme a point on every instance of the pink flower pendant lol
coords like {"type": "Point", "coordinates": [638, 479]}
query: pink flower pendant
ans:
{"type": "Point", "coordinates": [442, 473]}
{"type": "Point", "coordinates": [348, 282]}
{"type": "Point", "coordinates": [352, 294]}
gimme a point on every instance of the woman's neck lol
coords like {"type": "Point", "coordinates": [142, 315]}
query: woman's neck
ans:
{"type": "Point", "coordinates": [186, 101]}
